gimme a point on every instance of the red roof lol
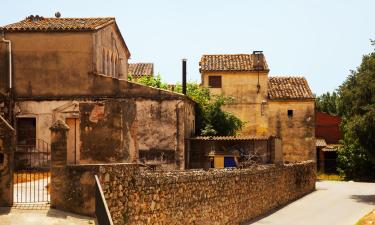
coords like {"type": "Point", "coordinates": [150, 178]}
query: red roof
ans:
{"type": "Point", "coordinates": [328, 127]}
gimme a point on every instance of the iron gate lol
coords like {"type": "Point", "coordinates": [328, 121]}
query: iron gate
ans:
{"type": "Point", "coordinates": [32, 172]}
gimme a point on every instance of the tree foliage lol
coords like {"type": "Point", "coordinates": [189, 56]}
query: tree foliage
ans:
{"type": "Point", "coordinates": [356, 105]}
{"type": "Point", "coordinates": [210, 118]}
{"type": "Point", "coordinates": [328, 103]}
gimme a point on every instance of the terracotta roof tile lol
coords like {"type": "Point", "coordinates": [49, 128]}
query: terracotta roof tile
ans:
{"type": "Point", "coordinates": [138, 70]}
{"type": "Point", "coordinates": [288, 88]}
{"type": "Point", "coordinates": [229, 138]}
{"type": "Point", "coordinates": [38, 23]}
{"type": "Point", "coordinates": [233, 62]}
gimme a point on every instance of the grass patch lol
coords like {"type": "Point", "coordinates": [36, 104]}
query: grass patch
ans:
{"type": "Point", "coordinates": [368, 219]}
{"type": "Point", "coordinates": [325, 176]}
{"type": "Point", "coordinates": [21, 177]}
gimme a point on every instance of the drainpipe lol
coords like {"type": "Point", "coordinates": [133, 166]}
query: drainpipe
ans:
{"type": "Point", "coordinates": [10, 61]}
{"type": "Point", "coordinates": [10, 111]}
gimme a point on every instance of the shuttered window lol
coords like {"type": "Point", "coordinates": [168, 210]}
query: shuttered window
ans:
{"type": "Point", "coordinates": [214, 81]}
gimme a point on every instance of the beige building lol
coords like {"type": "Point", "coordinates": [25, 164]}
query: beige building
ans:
{"type": "Point", "coordinates": [270, 106]}
{"type": "Point", "coordinates": [75, 70]}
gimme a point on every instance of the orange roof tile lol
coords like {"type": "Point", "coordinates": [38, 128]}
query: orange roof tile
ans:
{"type": "Point", "coordinates": [288, 88]}
{"type": "Point", "coordinates": [138, 70]}
{"type": "Point", "coordinates": [38, 23]}
{"type": "Point", "coordinates": [233, 62]}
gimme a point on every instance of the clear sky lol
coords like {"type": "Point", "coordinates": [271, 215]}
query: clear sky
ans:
{"type": "Point", "coordinates": [319, 39]}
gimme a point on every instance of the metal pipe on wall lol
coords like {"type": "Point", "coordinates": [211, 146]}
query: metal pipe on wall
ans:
{"type": "Point", "coordinates": [10, 59]}
{"type": "Point", "coordinates": [184, 76]}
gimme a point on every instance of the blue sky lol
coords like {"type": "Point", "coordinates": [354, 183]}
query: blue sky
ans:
{"type": "Point", "coordinates": [319, 39]}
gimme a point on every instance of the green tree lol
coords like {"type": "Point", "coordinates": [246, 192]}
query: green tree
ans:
{"type": "Point", "coordinates": [328, 103]}
{"type": "Point", "coordinates": [356, 105]}
{"type": "Point", "coordinates": [210, 118]}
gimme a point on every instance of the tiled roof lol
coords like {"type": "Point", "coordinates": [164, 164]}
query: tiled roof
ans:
{"type": "Point", "coordinates": [233, 62]}
{"type": "Point", "coordinates": [331, 148]}
{"type": "Point", "coordinates": [288, 88]}
{"type": "Point", "coordinates": [320, 142]}
{"type": "Point", "coordinates": [138, 70]}
{"type": "Point", "coordinates": [38, 23]}
{"type": "Point", "coordinates": [229, 138]}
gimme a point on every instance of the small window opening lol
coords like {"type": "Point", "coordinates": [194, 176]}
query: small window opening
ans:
{"type": "Point", "coordinates": [290, 113]}
{"type": "Point", "coordinates": [214, 81]}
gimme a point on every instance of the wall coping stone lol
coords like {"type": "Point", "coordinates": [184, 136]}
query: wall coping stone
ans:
{"type": "Point", "coordinates": [59, 125]}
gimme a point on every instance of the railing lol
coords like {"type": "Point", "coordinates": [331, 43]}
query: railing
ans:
{"type": "Point", "coordinates": [32, 162]}
{"type": "Point", "coordinates": [102, 213]}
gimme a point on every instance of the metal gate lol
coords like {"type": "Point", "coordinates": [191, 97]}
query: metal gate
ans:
{"type": "Point", "coordinates": [32, 172]}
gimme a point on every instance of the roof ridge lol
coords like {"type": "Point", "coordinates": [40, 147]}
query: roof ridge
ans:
{"type": "Point", "coordinates": [228, 54]}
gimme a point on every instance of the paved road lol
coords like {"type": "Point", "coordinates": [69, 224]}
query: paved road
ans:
{"type": "Point", "coordinates": [333, 203]}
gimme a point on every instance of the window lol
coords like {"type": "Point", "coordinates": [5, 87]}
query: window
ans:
{"type": "Point", "coordinates": [26, 131]}
{"type": "Point", "coordinates": [290, 113]}
{"type": "Point", "coordinates": [214, 81]}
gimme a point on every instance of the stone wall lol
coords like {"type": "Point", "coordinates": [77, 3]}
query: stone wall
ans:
{"type": "Point", "coordinates": [7, 145]}
{"type": "Point", "coordinates": [202, 197]}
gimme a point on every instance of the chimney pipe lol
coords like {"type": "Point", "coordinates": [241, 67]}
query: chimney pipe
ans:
{"type": "Point", "coordinates": [184, 76]}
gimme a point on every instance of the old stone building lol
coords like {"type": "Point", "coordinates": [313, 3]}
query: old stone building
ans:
{"type": "Point", "coordinates": [270, 106]}
{"type": "Point", "coordinates": [75, 70]}
{"type": "Point", "coordinates": [138, 70]}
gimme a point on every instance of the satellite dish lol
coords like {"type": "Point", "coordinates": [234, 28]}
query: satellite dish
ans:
{"type": "Point", "coordinates": [57, 14]}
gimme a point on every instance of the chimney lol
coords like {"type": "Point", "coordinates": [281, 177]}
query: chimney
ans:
{"type": "Point", "coordinates": [184, 76]}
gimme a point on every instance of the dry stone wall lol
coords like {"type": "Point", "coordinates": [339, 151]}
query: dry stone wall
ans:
{"type": "Point", "coordinates": [223, 196]}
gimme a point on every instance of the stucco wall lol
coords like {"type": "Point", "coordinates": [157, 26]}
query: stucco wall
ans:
{"type": "Point", "coordinates": [60, 63]}
{"type": "Point", "coordinates": [7, 147]}
{"type": "Point", "coordinates": [107, 43]}
{"type": "Point", "coordinates": [162, 129]}
{"type": "Point", "coordinates": [49, 62]}
{"type": "Point", "coordinates": [247, 105]}
{"type": "Point", "coordinates": [107, 130]}
{"type": "Point", "coordinates": [297, 132]}
{"type": "Point", "coordinates": [202, 197]}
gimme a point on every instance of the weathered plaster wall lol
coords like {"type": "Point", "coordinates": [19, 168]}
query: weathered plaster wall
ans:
{"type": "Point", "coordinates": [108, 131]}
{"type": "Point", "coordinates": [7, 146]}
{"type": "Point", "coordinates": [108, 46]}
{"type": "Point", "coordinates": [247, 105]}
{"type": "Point", "coordinates": [202, 197]}
{"type": "Point", "coordinates": [163, 126]}
{"type": "Point", "coordinates": [45, 112]}
{"type": "Point", "coordinates": [47, 63]}
{"type": "Point", "coordinates": [297, 132]}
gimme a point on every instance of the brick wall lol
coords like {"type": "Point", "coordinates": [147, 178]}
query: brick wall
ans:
{"type": "Point", "coordinates": [219, 196]}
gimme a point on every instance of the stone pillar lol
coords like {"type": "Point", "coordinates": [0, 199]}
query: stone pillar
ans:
{"type": "Point", "coordinates": [276, 150]}
{"type": "Point", "coordinates": [59, 132]}
{"type": "Point", "coordinates": [7, 147]}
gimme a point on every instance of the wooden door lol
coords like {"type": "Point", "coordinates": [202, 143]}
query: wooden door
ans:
{"type": "Point", "coordinates": [73, 141]}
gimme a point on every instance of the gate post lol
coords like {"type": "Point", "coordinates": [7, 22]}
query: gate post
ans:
{"type": "Point", "coordinates": [7, 147]}
{"type": "Point", "coordinates": [58, 159]}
